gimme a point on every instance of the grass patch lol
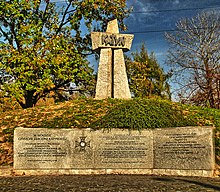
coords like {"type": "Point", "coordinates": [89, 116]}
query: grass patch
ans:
{"type": "Point", "coordinates": [144, 114]}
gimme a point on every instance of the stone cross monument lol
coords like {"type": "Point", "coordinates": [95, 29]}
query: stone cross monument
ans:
{"type": "Point", "coordinates": [112, 79]}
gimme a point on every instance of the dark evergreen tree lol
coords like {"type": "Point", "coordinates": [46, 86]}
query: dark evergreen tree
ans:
{"type": "Point", "coordinates": [146, 77]}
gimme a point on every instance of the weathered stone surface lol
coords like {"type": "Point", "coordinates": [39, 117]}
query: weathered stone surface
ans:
{"type": "Point", "coordinates": [75, 149]}
{"type": "Point", "coordinates": [104, 82]}
{"type": "Point", "coordinates": [111, 40]}
{"type": "Point", "coordinates": [184, 148]}
{"type": "Point", "coordinates": [112, 26]}
{"type": "Point", "coordinates": [112, 78]}
{"type": "Point", "coordinates": [121, 87]}
{"type": "Point", "coordinates": [121, 149]}
{"type": "Point", "coordinates": [173, 151]}
{"type": "Point", "coordinates": [82, 149]}
{"type": "Point", "coordinates": [41, 148]}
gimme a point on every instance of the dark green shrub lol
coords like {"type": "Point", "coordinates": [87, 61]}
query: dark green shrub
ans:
{"type": "Point", "coordinates": [143, 113]}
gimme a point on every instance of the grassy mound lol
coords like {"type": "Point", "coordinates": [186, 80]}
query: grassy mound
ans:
{"type": "Point", "coordinates": [110, 113]}
{"type": "Point", "coordinates": [144, 113]}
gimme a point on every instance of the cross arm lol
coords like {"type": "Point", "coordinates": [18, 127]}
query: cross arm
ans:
{"type": "Point", "coordinates": [111, 40]}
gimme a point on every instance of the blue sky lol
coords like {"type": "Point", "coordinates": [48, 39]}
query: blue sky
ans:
{"type": "Point", "coordinates": [150, 16]}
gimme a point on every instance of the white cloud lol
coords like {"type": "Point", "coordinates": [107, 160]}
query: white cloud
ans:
{"type": "Point", "coordinates": [143, 6]}
{"type": "Point", "coordinates": [143, 12]}
{"type": "Point", "coordinates": [176, 2]}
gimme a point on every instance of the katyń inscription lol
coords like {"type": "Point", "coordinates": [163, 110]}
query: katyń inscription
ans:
{"type": "Point", "coordinates": [112, 78]}
{"type": "Point", "coordinates": [113, 40]}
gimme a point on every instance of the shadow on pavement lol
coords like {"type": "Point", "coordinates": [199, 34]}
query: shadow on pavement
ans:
{"type": "Point", "coordinates": [202, 184]}
{"type": "Point", "coordinates": [206, 185]}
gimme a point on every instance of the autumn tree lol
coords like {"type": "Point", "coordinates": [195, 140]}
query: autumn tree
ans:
{"type": "Point", "coordinates": [145, 76]}
{"type": "Point", "coordinates": [45, 45]}
{"type": "Point", "coordinates": [195, 58]}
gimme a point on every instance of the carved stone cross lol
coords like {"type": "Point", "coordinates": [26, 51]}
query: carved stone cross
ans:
{"type": "Point", "coordinates": [112, 79]}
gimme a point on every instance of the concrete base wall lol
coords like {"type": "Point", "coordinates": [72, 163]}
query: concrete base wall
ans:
{"type": "Point", "coordinates": [170, 172]}
{"type": "Point", "coordinates": [185, 151]}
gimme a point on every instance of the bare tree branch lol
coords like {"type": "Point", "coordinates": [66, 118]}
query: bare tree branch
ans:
{"type": "Point", "coordinates": [195, 50]}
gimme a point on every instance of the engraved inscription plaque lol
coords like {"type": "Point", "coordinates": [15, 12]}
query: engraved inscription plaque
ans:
{"type": "Point", "coordinates": [188, 148]}
{"type": "Point", "coordinates": [120, 149]}
{"type": "Point", "coordinates": [41, 148]}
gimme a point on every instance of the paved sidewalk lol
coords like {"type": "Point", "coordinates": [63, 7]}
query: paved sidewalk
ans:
{"type": "Point", "coordinates": [108, 183]}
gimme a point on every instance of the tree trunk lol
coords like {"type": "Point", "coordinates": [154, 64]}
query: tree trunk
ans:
{"type": "Point", "coordinates": [29, 100]}
{"type": "Point", "coordinates": [209, 79]}
{"type": "Point", "coordinates": [212, 99]}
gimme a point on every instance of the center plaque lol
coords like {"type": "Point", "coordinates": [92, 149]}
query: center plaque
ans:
{"type": "Point", "coordinates": [123, 150]}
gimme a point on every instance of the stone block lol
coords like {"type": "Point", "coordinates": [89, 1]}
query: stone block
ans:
{"type": "Point", "coordinates": [41, 148]}
{"type": "Point", "coordinates": [112, 81]}
{"type": "Point", "coordinates": [121, 149]}
{"type": "Point", "coordinates": [121, 87]}
{"type": "Point", "coordinates": [185, 151]}
{"type": "Point", "coordinates": [111, 40]}
{"type": "Point", "coordinates": [188, 148]}
{"type": "Point", "coordinates": [104, 78]}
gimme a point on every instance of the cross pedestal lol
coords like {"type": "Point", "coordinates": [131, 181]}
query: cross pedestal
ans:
{"type": "Point", "coordinates": [112, 81]}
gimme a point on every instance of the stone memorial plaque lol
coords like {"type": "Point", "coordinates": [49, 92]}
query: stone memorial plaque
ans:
{"type": "Point", "coordinates": [41, 148]}
{"type": "Point", "coordinates": [184, 148]}
{"type": "Point", "coordinates": [181, 151]}
{"type": "Point", "coordinates": [82, 147]}
{"type": "Point", "coordinates": [121, 149]}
